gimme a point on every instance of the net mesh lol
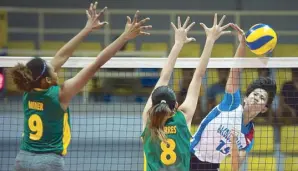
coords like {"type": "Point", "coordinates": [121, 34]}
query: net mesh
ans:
{"type": "Point", "coordinates": [106, 114]}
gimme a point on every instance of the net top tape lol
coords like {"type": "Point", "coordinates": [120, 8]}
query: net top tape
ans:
{"type": "Point", "coordinates": [141, 62]}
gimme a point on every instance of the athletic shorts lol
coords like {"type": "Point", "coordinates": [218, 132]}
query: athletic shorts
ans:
{"type": "Point", "coordinates": [197, 165]}
{"type": "Point", "coordinates": [38, 162]}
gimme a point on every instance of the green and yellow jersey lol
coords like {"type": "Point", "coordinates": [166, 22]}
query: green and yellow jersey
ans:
{"type": "Point", "coordinates": [46, 124]}
{"type": "Point", "coordinates": [173, 155]}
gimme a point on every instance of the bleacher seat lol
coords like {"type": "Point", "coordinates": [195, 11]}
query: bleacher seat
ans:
{"type": "Point", "coordinates": [130, 47]}
{"type": "Point", "coordinates": [190, 50]}
{"type": "Point", "coordinates": [226, 165]}
{"type": "Point", "coordinates": [49, 48]}
{"type": "Point", "coordinates": [247, 76]}
{"type": "Point", "coordinates": [89, 46]}
{"type": "Point", "coordinates": [21, 46]}
{"type": "Point", "coordinates": [222, 50]}
{"type": "Point", "coordinates": [291, 164]}
{"type": "Point", "coordinates": [259, 163]}
{"type": "Point", "coordinates": [263, 139]}
{"type": "Point", "coordinates": [286, 50]}
{"type": "Point", "coordinates": [289, 139]}
{"type": "Point", "coordinates": [212, 78]}
{"type": "Point", "coordinates": [282, 75]}
{"type": "Point", "coordinates": [90, 49]}
{"type": "Point", "coordinates": [10, 86]}
{"type": "Point", "coordinates": [219, 50]}
{"type": "Point", "coordinates": [152, 47]}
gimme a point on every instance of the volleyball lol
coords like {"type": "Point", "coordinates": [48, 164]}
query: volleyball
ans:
{"type": "Point", "coordinates": [261, 39]}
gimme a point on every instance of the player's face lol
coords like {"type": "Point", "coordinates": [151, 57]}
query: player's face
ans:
{"type": "Point", "coordinates": [256, 102]}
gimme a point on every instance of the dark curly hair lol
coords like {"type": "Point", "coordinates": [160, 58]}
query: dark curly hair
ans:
{"type": "Point", "coordinates": [265, 83]}
{"type": "Point", "coordinates": [29, 76]}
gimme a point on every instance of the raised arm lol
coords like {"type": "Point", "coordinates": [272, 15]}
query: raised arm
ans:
{"type": "Point", "coordinates": [237, 156]}
{"type": "Point", "coordinates": [72, 86]}
{"type": "Point", "coordinates": [234, 152]}
{"type": "Point", "coordinates": [67, 50]}
{"type": "Point", "coordinates": [188, 107]}
{"type": "Point", "coordinates": [165, 75]}
{"type": "Point", "coordinates": [233, 81]}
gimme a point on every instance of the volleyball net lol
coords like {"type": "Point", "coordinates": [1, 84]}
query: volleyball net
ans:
{"type": "Point", "coordinates": [106, 114]}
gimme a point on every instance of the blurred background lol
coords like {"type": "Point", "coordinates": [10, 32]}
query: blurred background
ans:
{"type": "Point", "coordinates": [106, 119]}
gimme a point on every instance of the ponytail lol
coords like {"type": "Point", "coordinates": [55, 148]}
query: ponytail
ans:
{"type": "Point", "coordinates": [157, 115]}
{"type": "Point", "coordinates": [22, 77]}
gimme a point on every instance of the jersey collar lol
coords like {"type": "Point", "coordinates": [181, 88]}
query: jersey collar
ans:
{"type": "Point", "coordinates": [39, 89]}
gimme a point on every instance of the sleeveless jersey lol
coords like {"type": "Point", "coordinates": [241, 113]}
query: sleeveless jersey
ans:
{"type": "Point", "coordinates": [211, 143]}
{"type": "Point", "coordinates": [46, 124]}
{"type": "Point", "coordinates": [175, 155]}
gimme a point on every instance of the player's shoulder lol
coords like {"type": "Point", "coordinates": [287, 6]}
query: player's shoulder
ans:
{"type": "Point", "coordinates": [179, 117]}
{"type": "Point", "coordinates": [236, 109]}
{"type": "Point", "coordinates": [54, 89]}
{"type": "Point", "coordinates": [231, 101]}
{"type": "Point", "coordinates": [248, 130]}
{"type": "Point", "coordinates": [179, 114]}
{"type": "Point", "coordinates": [53, 92]}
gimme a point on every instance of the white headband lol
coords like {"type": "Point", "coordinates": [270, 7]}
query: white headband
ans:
{"type": "Point", "coordinates": [163, 101]}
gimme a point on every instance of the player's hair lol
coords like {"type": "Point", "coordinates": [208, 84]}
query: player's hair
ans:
{"type": "Point", "coordinates": [29, 76]}
{"type": "Point", "coordinates": [265, 83]}
{"type": "Point", "coordinates": [163, 105]}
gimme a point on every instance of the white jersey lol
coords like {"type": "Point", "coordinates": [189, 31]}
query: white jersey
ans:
{"type": "Point", "coordinates": [211, 143]}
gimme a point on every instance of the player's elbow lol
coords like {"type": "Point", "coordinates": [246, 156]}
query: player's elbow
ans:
{"type": "Point", "coordinates": [230, 89]}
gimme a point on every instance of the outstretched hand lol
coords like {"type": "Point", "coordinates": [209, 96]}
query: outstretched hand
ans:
{"type": "Point", "coordinates": [240, 32]}
{"type": "Point", "coordinates": [135, 28]}
{"type": "Point", "coordinates": [216, 30]}
{"type": "Point", "coordinates": [94, 17]}
{"type": "Point", "coordinates": [181, 31]}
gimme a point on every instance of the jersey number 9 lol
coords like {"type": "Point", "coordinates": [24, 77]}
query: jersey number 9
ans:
{"type": "Point", "coordinates": [168, 155]}
{"type": "Point", "coordinates": [36, 127]}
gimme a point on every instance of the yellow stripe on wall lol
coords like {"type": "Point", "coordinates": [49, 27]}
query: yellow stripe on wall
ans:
{"type": "Point", "coordinates": [3, 28]}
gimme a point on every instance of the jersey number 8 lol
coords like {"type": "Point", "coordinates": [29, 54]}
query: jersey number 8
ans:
{"type": "Point", "coordinates": [36, 127]}
{"type": "Point", "coordinates": [168, 156]}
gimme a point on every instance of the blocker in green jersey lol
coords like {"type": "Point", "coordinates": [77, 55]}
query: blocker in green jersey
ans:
{"type": "Point", "coordinates": [174, 153]}
{"type": "Point", "coordinates": [166, 125]}
{"type": "Point", "coordinates": [46, 124]}
{"type": "Point", "coordinates": [46, 114]}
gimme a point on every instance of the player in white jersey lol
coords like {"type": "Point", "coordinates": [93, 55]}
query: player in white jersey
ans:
{"type": "Point", "coordinates": [212, 141]}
